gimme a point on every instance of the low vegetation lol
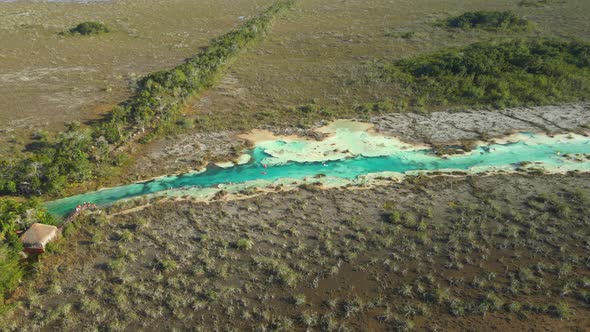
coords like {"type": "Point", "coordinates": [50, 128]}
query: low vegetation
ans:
{"type": "Point", "coordinates": [507, 252]}
{"type": "Point", "coordinates": [489, 20]}
{"type": "Point", "coordinates": [90, 28]}
{"type": "Point", "coordinates": [11, 272]}
{"type": "Point", "coordinates": [509, 73]}
{"type": "Point", "coordinates": [539, 3]}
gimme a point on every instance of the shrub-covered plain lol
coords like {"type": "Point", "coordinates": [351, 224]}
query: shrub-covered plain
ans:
{"type": "Point", "coordinates": [508, 73]}
{"type": "Point", "coordinates": [499, 252]}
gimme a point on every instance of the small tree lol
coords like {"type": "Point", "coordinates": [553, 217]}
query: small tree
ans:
{"type": "Point", "coordinates": [90, 28]}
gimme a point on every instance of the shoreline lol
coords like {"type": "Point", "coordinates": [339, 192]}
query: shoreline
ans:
{"type": "Point", "coordinates": [437, 129]}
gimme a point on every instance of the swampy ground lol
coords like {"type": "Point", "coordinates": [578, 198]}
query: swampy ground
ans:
{"type": "Point", "coordinates": [504, 252]}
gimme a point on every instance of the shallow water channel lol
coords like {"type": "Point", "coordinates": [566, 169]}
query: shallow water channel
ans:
{"type": "Point", "coordinates": [348, 154]}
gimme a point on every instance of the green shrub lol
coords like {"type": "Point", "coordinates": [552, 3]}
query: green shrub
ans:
{"type": "Point", "coordinates": [167, 265]}
{"type": "Point", "coordinates": [90, 28]}
{"type": "Point", "coordinates": [509, 73]}
{"type": "Point", "coordinates": [282, 273]}
{"type": "Point", "coordinates": [489, 20]}
{"type": "Point", "coordinates": [493, 301]}
{"type": "Point", "coordinates": [457, 308]}
{"type": "Point", "coordinates": [298, 299]}
{"type": "Point", "coordinates": [69, 230]}
{"type": "Point", "coordinates": [561, 310]}
{"type": "Point", "coordinates": [513, 307]}
{"type": "Point", "coordinates": [395, 217]}
{"type": "Point", "coordinates": [19, 215]}
{"type": "Point", "coordinates": [408, 35]}
{"type": "Point", "coordinates": [11, 271]}
{"type": "Point", "coordinates": [244, 244]}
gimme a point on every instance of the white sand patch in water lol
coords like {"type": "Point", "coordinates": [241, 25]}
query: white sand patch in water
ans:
{"type": "Point", "coordinates": [244, 159]}
{"type": "Point", "coordinates": [345, 139]}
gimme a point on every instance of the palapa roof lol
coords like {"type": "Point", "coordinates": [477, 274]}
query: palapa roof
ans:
{"type": "Point", "coordinates": [38, 235]}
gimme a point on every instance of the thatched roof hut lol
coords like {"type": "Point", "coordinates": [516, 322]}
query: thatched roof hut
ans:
{"type": "Point", "coordinates": [37, 236]}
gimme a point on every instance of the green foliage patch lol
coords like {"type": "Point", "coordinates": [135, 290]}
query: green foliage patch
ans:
{"type": "Point", "coordinates": [90, 28]}
{"type": "Point", "coordinates": [14, 216]}
{"type": "Point", "coordinates": [51, 164]}
{"type": "Point", "coordinates": [503, 74]}
{"type": "Point", "coordinates": [489, 20]}
{"type": "Point", "coordinates": [19, 215]}
{"type": "Point", "coordinates": [11, 271]}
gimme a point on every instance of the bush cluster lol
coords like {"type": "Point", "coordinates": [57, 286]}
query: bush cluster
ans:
{"type": "Point", "coordinates": [16, 216]}
{"type": "Point", "coordinates": [50, 165]}
{"type": "Point", "coordinates": [19, 215]}
{"type": "Point", "coordinates": [489, 20]}
{"type": "Point", "coordinates": [503, 74]}
{"type": "Point", "coordinates": [90, 28]}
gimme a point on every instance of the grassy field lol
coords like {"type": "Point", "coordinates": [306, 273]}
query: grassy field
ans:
{"type": "Point", "coordinates": [324, 53]}
{"type": "Point", "coordinates": [320, 54]}
{"type": "Point", "coordinates": [482, 253]}
{"type": "Point", "coordinates": [48, 79]}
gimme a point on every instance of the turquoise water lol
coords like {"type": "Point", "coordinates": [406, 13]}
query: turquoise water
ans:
{"type": "Point", "coordinates": [533, 148]}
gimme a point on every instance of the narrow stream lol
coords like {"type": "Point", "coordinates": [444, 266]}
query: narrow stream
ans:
{"type": "Point", "coordinates": [349, 154]}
